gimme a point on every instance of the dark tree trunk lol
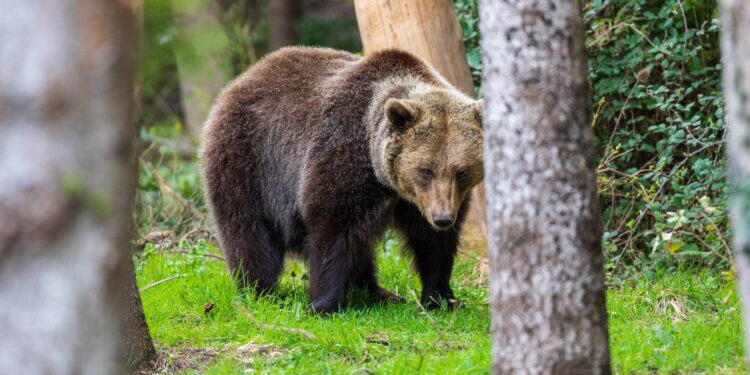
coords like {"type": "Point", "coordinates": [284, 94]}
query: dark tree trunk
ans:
{"type": "Point", "coordinates": [139, 346]}
{"type": "Point", "coordinates": [203, 57]}
{"type": "Point", "coordinates": [546, 277]}
{"type": "Point", "coordinates": [68, 178]}
{"type": "Point", "coordinates": [283, 18]}
{"type": "Point", "coordinates": [735, 50]}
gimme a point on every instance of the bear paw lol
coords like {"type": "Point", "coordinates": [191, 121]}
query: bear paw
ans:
{"type": "Point", "coordinates": [434, 302]}
{"type": "Point", "coordinates": [386, 296]}
{"type": "Point", "coordinates": [325, 307]}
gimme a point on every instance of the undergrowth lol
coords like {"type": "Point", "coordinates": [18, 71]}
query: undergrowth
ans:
{"type": "Point", "coordinates": [658, 116]}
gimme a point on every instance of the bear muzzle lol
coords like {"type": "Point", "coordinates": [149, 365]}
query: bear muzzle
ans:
{"type": "Point", "coordinates": [443, 220]}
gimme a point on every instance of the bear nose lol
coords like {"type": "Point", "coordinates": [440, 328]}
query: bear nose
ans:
{"type": "Point", "coordinates": [442, 220]}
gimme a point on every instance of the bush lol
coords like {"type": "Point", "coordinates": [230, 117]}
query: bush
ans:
{"type": "Point", "coordinates": [654, 69]}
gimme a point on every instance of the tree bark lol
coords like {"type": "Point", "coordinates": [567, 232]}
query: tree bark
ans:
{"type": "Point", "coordinates": [546, 277]}
{"type": "Point", "coordinates": [138, 344]}
{"type": "Point", "coordinates": [203, 60]}
{"type": "Point", "coordinates": [283, 19]}
{"type": "Point", "coordinates": [735, 50]}
{"type": "Point", "coordinates": [430, 31]}
{"type": "Point", "coordinates": [66, 136]}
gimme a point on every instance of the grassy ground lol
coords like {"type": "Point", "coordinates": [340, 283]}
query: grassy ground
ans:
{"type": "Point", "coordinates": [680, 322]}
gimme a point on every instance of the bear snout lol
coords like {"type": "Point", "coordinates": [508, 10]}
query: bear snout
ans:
{"type": "Point", "coordinates": [443, 220]}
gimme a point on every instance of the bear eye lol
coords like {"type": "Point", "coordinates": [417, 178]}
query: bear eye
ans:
{"type": "Point", "coordinates": [425, 174]}
{"type": "Point", "coordinates": [462, 176]}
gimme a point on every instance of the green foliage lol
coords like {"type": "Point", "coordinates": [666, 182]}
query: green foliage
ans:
{"type": "Point", "coordinates": [658, 119]}
{"type": "Point", "coordinates": [337, 33]}
{"type": "Point", "coordinates": [655, 74]}
{"type": "Point", "coordinates": [160, 82]}
{"type": "Point", "coordinates": [468, 19]}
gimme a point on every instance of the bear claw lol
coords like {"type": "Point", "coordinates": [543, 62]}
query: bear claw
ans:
{"type": "Point", "coordinates": [384, 295]}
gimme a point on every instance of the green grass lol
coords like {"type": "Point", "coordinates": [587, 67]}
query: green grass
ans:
{"type": "Point", "coordinates": [674, 323]}
{"type": "Point", "coordinates": [681, 322]}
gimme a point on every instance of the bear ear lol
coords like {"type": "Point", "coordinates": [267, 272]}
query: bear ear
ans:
{"type": "Point", "coordinates": [479, 111]}
{"type": "Point", "coordinates": [401, 113]}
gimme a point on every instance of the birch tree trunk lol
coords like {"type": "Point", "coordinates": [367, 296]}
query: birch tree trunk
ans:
{"type": "Point", "coordinates": [66, 139]}
{"type": "Point", "coordinates": [430, 31]}
{"type": "Point", "coordinates": [203, 58]}
{"type": "Point", "coordinates": [546, 277]}
{"type": "Point", "coordinates": [735, 50]}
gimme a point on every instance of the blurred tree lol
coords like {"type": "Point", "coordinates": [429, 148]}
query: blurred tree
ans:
{"type": "Point", "coordinates": [66, 162]}
{"type": "Point", "coordinates": [735, 49]}
{"type": "Point", "coordinates": [203, 54]}
{"type": "Point", "coordinates": [284, 16]}
{"type": "Point", "coordinates": [329, 23]}
{"type": "Point", "coordinates": [429, 30]}
{"type": "Point", "coordinates": [546, 275]}
{"type": "Point", "coordinates": [138, 344]}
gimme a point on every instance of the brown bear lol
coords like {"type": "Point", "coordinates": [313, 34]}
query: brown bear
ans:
{"type": "Point", "coordinates": [319, 151]}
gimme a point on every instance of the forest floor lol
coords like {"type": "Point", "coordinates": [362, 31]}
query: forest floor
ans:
{"type": "Point", "coordinates": [682, 321]}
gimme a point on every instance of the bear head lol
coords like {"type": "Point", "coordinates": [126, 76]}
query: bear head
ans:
{"type": "Point", "coordinates": [432, 151]}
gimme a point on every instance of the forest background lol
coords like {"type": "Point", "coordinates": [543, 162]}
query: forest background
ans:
{"type": "Point", "coordinates": [655, 74]}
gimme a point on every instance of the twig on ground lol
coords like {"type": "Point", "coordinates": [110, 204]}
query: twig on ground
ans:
{"type": "Point", "coordinates": [207, 255]}
{"type": "Point", "coordinates": [294, 331]}
{"type": "Point", "coordinates": [155, 283]}
{"type": "Point", "coordinates": [441, 332]}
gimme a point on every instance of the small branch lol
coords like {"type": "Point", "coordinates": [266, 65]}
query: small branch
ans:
{"type": "Point", "coordinates": [685, 21]}
{"type": "Point", "coordinates": [441, 332]}
{"type": "Point", "coordinates": [294, 331]}
{"type": "Point", "coordinates": [155, 283]}
{"type": "Point", "coordinates": [632, 27]}
{"type": "Point", "coordinates": [207, 255]}
{"type": "Point", "coordinates": [588, 20]}
{"type": "Point", "coordinates": [724, 242]}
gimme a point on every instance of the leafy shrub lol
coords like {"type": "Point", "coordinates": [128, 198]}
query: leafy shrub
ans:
{"type": "Point", "coordinates": [654, 69]}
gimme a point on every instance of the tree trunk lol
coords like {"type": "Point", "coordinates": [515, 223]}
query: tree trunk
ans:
{"type": "Point", "coordinates": [283, 19]}
{"type": "Point", "coordinates": [735, 50]}
{"type": "Point", "coordinates": [430, 31]}
{"type": "Point", "coordinates": [139, 346]}
{"type": "Point", "coordinates": [203, 56]}
{"type": "Point", "coordinates": [66, 136]}
{"type": "Point", "coordinates": [546, 278]}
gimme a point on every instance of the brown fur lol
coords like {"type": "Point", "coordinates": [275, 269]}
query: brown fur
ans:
{"type": "Point", "coordinates": [318, 151]}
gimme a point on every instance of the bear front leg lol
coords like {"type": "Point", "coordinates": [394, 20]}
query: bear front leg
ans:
{"type": "Point", "coordinates": [367, 281]}
{"type": "Point", "coordinates": [434, 254]}
{"type": "Point", "coordinates": [434, 257]}
{"type": "Point", "coordinates": [330, 269]}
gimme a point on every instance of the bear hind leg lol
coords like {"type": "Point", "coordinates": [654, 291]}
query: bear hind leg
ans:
{"type": "Point", "coordinates": [255, 257]}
